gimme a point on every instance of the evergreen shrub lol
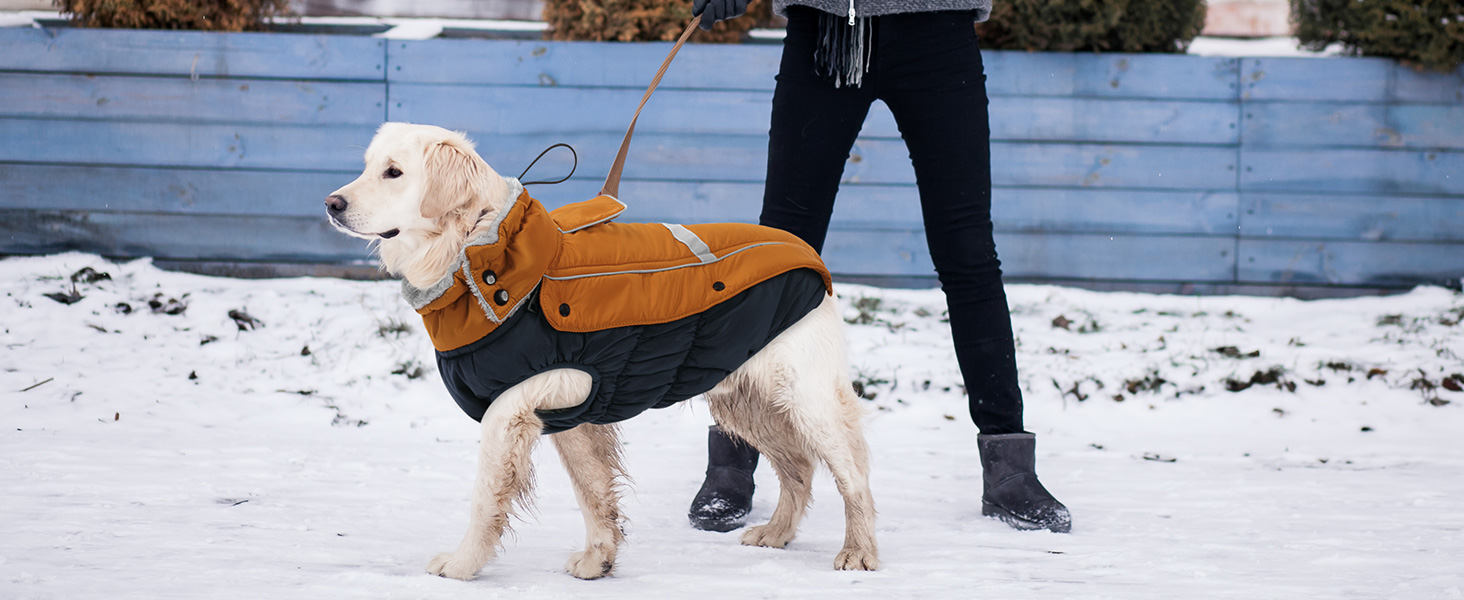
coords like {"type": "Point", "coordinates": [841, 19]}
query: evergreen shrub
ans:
{"type": "Point", "coordinates": [206, 15]}
{"type": "Point", "coordinates": [1093, 25]}
{"type": "Point", "coordinates": [638, 21]}
{"type": "Point", "coordinates": [1424, 33]}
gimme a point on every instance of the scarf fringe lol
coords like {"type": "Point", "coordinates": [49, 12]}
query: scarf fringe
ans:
{"type": "Point", "coordinates": [843, 50]}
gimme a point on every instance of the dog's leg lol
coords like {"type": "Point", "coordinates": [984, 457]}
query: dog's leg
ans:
{"type": "Point", "coordinates": [591, 454]}
{"type": "Point", "coordinates": [826, 423]}
{"type": "Point", "coordinates": [505, 465]}
{"type": "Point", "coordinates": [848, 459]}
{"type": "Point", "coordinates": [740, 405]}
{"type": "Point", "coordinates": [505, 475]}
{"type": "Point", "coordinates": [829, 414]}
{"type": "Point", "coordinates": [803, 379]}
{"type": "Point", "coordinates": [795, 489]}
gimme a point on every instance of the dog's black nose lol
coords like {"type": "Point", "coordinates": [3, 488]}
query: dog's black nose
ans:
{"type": "Point", "coordinates": [335, 204]}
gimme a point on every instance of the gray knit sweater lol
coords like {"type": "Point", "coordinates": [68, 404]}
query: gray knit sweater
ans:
{"type": "Point", "coordinates": [870, 8]}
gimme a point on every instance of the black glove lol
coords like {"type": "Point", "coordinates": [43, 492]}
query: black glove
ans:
{"type": "Point", "coordinates": [712, 11]}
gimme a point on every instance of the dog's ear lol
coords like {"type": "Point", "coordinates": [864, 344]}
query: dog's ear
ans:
{"type": "Point", "coordinates": [454, 177]}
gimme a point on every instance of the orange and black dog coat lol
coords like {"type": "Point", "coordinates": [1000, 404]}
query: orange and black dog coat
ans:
{"type": "Point", "coordinates": [654, 313]}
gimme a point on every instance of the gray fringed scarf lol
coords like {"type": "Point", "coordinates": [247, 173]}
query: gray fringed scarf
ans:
{"type": "Point", "coordinates": [846, 38]}
{"type": "Point", "coordinates": [844, 48]}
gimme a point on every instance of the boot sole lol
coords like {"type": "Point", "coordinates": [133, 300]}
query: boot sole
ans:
{"type": "Point", "coordinates": [992, 510]}
{"type": "Point", "coordinates": [717, 525]}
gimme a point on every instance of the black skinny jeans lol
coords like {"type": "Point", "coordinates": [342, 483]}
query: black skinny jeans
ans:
{"type": "Point", "coordinates": [927, 68]}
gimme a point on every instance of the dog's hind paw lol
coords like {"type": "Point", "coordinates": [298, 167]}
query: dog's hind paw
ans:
{"type": "Point", "coordinates": [766, 536]}
{"type": "Point", "coordinates": [454, 565]}
{"type": "Point", "coordinates": [590, 564]}
{"type": "Point", "coordinates": [856, 559]}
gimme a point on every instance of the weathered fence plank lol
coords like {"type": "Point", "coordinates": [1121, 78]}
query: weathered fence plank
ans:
{"type": "Point", "coordinates": [1418, 172]}
{"type": "Point", "coordinates": [168, 191]}
{"type": "Point", "coordinates": [288, 239]}
{"type": "Point", "coordinates": [652, 156]}
{"type": "Point", "coordinates": [735, 158]}
{"type": "Point", "coordinates": [1113, 212]}
{"type": "Point", "coordinates": [1339, 125]}
{"type": "Point", "coordinates": [1065, 165]}
{"type": "Point", "coordinates": [519, 110]}
{"type": "Point", "coordinates": [1381, 264]}
{"type": "Point", "coordinates": [1352, 80]}
{"type": "Point", "coordinates": [861, 206]}
{"type": "Point", "coordinates": [1120, 258]}
{"type": "Point", "coordinates": [275, 193]}
{"type": "Point", "coordinates": [1111, 75]}
{"type": "Point", "coordinates": [174, 99]}
{"type": "Point", "coordinates": [1416, 86]}
{"type": "Point", "coordinates": [1045, 256]}
{"type": "Point", "coordinates": [1172, 167]}
{"type": "Point", "coordinates": [192, 53]}
{"type": "Point", "coordinates": [1302, 79]}
{"type": "Point", "coordinates": [1351, 218]}
{"type": "Point", "coordinates": [122, 143]}
{"type": "Point", "coordinates": [1114, 120]}
{"type": "Point", "coordinates": [580, 64]}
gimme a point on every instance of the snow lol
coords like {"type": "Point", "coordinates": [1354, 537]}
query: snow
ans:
{"type": "Point", "coordinates": [25, 18]}
{"type": "Point", "coordinates": [1259, 47]}
{"type": "Point", "coordinates": [155, 455]}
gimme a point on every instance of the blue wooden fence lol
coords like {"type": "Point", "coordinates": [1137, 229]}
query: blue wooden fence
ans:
{"type": "Point", "coordinates": [1175, 172]}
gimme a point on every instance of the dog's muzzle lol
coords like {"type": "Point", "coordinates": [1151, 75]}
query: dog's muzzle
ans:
{"type": "Point", "coordinates": [335, 208]}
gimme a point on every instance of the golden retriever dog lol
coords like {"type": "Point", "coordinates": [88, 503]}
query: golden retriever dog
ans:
{"type": "Point", "coordinates": [424, 193]}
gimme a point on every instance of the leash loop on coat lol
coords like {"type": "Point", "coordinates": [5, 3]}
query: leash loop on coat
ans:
{"type": "Point", "coordinates": [612, 181]}
{"type": "Point", "coordinates": [572, 167]}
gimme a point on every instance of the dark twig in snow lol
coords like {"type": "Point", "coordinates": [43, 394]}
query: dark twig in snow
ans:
{"type": "Point", "coordinates": [48, 380]}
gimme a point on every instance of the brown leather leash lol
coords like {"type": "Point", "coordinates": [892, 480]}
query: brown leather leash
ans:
{"type": "Point", "coordinates": [612, 181]}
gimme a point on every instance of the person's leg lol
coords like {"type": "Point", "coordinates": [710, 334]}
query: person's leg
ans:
{"type": "Point", "coordinates": [814, 125]}
{"type": "Point", "coordinates": [932, 78]}
{"type": "Point", "coordinates": [813, 128]}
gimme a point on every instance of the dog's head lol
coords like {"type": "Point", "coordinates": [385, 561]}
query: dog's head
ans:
{"type": "Point", "coordinates": [423, 190]}
{"type": "Point", "coordinates": [415, 175]}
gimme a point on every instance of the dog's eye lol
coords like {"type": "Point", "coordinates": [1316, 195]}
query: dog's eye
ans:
{"type": "Point", "coordinates": [392, 173]}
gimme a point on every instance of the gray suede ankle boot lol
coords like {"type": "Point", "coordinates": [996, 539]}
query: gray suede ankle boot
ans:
{"type": "Point", "coordinates": [725, 497]}
{"type": "Point", "coordinates": [1011, 490]}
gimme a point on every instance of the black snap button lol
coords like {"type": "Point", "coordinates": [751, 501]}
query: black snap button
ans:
{"type": "Point", "coordinates": [563, 310]}
{"type": "Point", "coordinates": [500, 297]}
{"type": "Point", "coordinates": [489, 277]}
{"type": "Point", "coordinates": [719, 286]}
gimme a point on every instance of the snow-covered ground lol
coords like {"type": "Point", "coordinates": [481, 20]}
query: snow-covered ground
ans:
{"type": "Point", "coordinates": [154, 446]}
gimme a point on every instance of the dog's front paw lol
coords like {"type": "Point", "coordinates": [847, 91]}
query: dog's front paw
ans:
{"type": "Point", "coordinates": [856, 559]}
{"type": "Point", "coordinates": [593, 563]}
{"type": "Point", "coordinates": [767, 536]}
{"type": "Point", "coordinates": [456, 565]}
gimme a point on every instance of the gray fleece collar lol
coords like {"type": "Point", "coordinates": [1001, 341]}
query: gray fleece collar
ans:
{"type": "Point", "coordinates": [418, 298]}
